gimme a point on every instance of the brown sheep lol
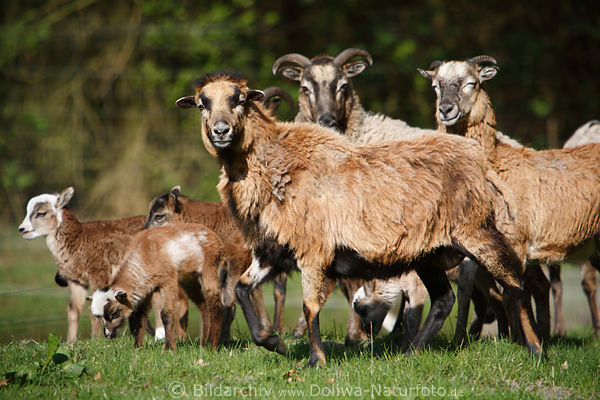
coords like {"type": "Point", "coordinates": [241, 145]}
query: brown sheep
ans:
{"type": "Point", "coordinates": [556, 192]}
{"type": "Point", "coordinates": [343, 210]}
{"type": "Point", "coordinates": [164, 259]}
{"type": "Point", "coordinates": [173, 207]}
{"type": "Point", "coordinates": [84, 252]}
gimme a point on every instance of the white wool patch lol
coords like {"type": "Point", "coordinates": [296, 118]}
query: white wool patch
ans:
{"type": "Point", "coordinates": [159, 334]}
{"type": "Point", "coordinates": [99, 299]}
{"type": "Point", "coordinates": [185, 245]}
{"type": "Point", "coordinates": [256, 273]}
{"type": "Point", "coordinates": [359, 295]}
{"type": "Point", "coordinates": [453, 70]}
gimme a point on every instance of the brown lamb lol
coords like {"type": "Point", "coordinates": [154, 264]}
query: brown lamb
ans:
{"type": "Point", "coordinates": [84, 252]}
{"type": "Point", "coordinates": [165, 259]}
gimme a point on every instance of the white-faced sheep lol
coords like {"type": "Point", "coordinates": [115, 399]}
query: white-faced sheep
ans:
{"type": "Point", "coordinates": [165, 259]}
{"type": "Point", "coordinates": [84, 252]}
{"type": "Point", "coordinates": [556, 192]}
{"type": "Point", "coordinates": [340, 209]}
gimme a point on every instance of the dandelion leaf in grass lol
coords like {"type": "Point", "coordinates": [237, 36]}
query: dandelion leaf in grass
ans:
{"type": "Point", "coordinates": [72, 370]}
{"type": "Point", "coordinates": [53, 343]}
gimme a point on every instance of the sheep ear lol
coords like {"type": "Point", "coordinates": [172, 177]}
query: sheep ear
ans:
{"type": "Point", "coordinates": [292, 73]}
{"type": "Point", "coordinates": [186, 102]}
{"type": "Point", "coordinates": [121, 297]}
{"type": "Point", "coordinates": [487, 73]}
{"type": "Point", "coordinates": [174, 202]}
{"type": "Point", "coordinates": [355, 68]}
{"type": "Point", "coordinates": [255, 95]}
{"type": "Point", "coordinates": [176, 190]}
{"type": "Point", "coordinates": [64, 197]}
{"type": "Point", "coordinates": [427, 74]}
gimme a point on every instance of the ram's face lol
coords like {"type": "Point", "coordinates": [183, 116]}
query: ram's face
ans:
{"type": "Point", "coordinates": [457, 85]}
{"type": "Point", "coordinates": [324, 93]}
{"type": "Point", "coordinates": [224, 102]}
{"type": "Point", "coordinates": [113, 309]}
{"type": "Point", "coordinates": [41, 218]}
{"type": "Point", "coordinates": [370, 307]}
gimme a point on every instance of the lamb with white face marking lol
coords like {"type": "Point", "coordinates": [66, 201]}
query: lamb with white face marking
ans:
{"type": "Point", "coordinates": [163, 259]}
{"type": "Point", "coordinates": [84, 252]}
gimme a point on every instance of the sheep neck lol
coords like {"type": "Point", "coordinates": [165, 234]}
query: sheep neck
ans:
{"type": "Point", "coordinates": [479, 124]}
{"type": "Point", "coordinates": [63, 244]}
{"type": "Point", "coordinates": [253, 174]}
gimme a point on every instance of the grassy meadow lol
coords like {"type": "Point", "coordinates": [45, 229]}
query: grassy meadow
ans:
{"type": "Point", "coordinates": [32, 365]}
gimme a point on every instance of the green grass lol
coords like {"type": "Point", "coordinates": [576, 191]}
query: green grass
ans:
{"type": "Point", "coordinates": [32, 306]}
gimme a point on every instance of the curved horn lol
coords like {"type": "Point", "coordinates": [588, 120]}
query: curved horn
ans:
{"type": "Point", "coordinates": [277, 91]}
{"type": "Point", "coordinates": [290, 58]}
{"type": "Point", "coordinates": [349, 53]}
{"type": "Point", "coordinates": [435, 65]}
{"type": "Point", "coordinates": [480, 59]}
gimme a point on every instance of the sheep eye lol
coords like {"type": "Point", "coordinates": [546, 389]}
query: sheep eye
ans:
{"type": "Point", "coordinates": [200, 106]}
{"type": "Point", "coordinates": [305, 90]}
{"type": "Point", "coordinates": [115, 315]}
{"type": "Point", "coordinates": [159, 217]}
{"type": "Point", "coordinates": [343, 87]}
{"type": "Point", "coordinates": [40, 214]}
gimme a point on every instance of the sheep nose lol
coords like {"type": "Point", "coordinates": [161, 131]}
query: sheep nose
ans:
{"type": "Point", "coordinates": [360, 308]}
{"type": "Point", "coordinates": [221, 128]}
{"type": "Point", "coordinates": [21, 229]}
{"type": "Point", "coordinates": [327, 120]}
{"type": "Point", "coordinates": [445, 108]}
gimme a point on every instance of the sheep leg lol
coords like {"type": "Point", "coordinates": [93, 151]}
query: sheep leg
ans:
{"type": "Point", "coordinates": [491, 251]}
{"type": "Point", "coordinates": [539, 286]}
{"type": "Point", "coordinates": [279, 289]}
{"type": "Point", "coordinates": [258, 302]}
{"type": "Point", "coordinates": [480, 304]}
{"type": "Point", "coordinates": [257, 273]}
{"type": "Point", "coordinates": [168, 313]}
{"type": "Point", "coordinates": [466, 281]}
{"type": "Point", "coordinates": [182, 313]}
{"type": "Point", "coordinates": [412, 315]}
{"type": "Point", "coordinates": [76, 302]}
{"type": "Point", "coordinates": [557, 290]}
{"type": "Point", "coordinates": [138, 321]}
{"type": "Point", "coordinates": [316, 288]}
{"type": "Point", "coordinates": [301, 326]}
{"type": "Point", "coordinates": [159, 330]}
{"type": "Point", "coordinates": [487, 285]}
{"type": "Point", "coordinates": [354, 332]}
{"type": "Point", "coordinates": [442, 300]}
{"type": "Point", "coordinates": [588, 283]}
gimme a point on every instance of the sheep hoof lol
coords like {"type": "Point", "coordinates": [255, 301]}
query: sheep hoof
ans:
{"type": "Point", "coordinates": [274, 343]}
{"type": "Point", "coordinates": [315, 361]}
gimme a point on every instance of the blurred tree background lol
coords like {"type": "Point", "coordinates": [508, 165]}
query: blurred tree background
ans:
{"type": "Point", "coordinates": [90, 86]}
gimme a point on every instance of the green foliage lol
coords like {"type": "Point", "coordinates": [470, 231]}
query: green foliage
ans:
{"type": "Point", "coordinates": [89, 86]}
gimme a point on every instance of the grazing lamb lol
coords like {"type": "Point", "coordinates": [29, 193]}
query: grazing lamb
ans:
{"type": "Point", "coordinates": [326, 97]}
{"type": "Point", "coordinates": [556, 192]}
{"type": "Point", "coordinates": [173, 207]}
{"type": "Point", "coordinates": [343, 210]}
{"type": "Point", "coordinates": [164, 259]}
{"type": "Point", "coordinates": [375, 299]}
{"type": "Point", "coordinates": [84, 252]}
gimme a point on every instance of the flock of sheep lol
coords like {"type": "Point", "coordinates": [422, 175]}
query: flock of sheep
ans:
{"type": "Point", "coordinates": [347, 197]}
